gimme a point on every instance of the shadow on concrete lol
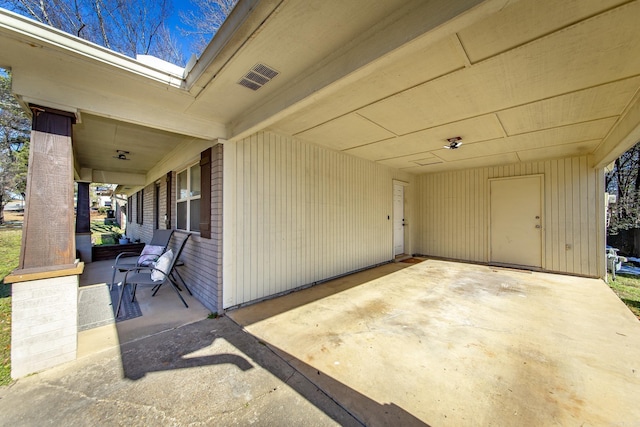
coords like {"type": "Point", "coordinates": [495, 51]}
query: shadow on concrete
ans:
{"type": "Point", "coordinates": [173, 350]}
{"type": "Point", "coordinates": [367, 411]}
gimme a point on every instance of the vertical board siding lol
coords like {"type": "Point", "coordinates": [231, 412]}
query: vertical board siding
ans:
{"type": "Point", "coordinates": [300, 214]}
{"type": "Point", "coordinates": [453, 217]}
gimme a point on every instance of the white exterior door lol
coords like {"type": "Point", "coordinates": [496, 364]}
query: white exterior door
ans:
{"type": "Point", "coordinates": [398, 219]}
{"type": "Point", "coordinates": [516, 220]}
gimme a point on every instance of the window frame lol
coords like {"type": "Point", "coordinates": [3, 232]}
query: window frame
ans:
{"type": "Point", "coordinates": [187, 199]}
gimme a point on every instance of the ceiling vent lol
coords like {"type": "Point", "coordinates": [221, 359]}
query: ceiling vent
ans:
{"type": "Point", "coordinates": [258, 76]}
{"type": "Point", "coordinates": [426, 162]}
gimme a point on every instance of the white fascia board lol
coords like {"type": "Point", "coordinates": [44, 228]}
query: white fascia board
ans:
{"type": "Point", "coordinates": [32, 32]}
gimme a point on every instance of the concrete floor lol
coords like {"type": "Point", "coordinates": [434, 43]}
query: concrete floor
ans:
{"type": "Point", "coordinates": [443, 343]}
{"type": "Point", "coordinates": [160, 313]}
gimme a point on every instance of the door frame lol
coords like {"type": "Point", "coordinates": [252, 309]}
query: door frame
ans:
{"type": "Point", "coordinates": [543, 219]}
{"type": "Point", "coordinates": [406, 242]}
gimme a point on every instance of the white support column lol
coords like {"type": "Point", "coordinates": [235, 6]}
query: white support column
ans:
{"type": "Point", "coordinates": [44, 324]}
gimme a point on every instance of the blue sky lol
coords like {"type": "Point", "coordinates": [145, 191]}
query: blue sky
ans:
{"type": "Point", "coordinates": [174, 23]}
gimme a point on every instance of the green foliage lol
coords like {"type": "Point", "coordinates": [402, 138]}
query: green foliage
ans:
{"type": "Point", "coordinates": [628, 289]}
{"type": "Point", "coordinates": [624, 181]}
{"type": "Point", "coordinates": [10, 241]}
{"type": "Point", "coordinates": [5, 335]}
{"type": "Point", "coordinates": [15, 130]}
{"type": "Point", "coordinates": [9, 256]}
{"type": "Point", "coordinates": [105, 234]}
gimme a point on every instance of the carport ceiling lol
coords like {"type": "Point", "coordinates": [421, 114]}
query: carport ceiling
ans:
{"type": "Point", "coordinates": [536, 80]}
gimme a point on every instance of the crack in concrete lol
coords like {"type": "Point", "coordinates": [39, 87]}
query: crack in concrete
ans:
{"type": "Point", "coordinates": [81, 395]}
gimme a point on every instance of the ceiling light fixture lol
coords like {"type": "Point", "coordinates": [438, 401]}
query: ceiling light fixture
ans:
{"type": "Point", "coordinates": [453, 143]}
{"type": "Point", "coordinates": [122, 155]}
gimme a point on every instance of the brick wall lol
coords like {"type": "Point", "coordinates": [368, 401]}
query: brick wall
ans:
{"type": "Point", "coordinates": [202, 257]}
{"type": "Point", "coordinates": [144, 231]}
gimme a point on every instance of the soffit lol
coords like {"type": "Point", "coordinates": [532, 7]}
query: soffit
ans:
{"type": "Point", "coordinates": [536, 80]}
{"type": "Point", "coordinates": [96, 141]}
{"type": "Point", "coordinates": [295, 38]}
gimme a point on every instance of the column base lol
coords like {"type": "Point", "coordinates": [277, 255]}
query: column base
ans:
{"type": "Point", "coordinates": [83, 246]}
{"type": "Point", "coordinates": [44, 319]}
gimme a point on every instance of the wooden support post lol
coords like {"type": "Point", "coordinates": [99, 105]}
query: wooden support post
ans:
{"type": "Point", "coordinates": [48, 237]}
{"type": "Point", "coordinates": [83, 221]}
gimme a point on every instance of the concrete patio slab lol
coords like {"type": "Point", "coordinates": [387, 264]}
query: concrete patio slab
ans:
{"type": "Point", "coordinates": [207, 373]}
{"type": "Point", "coordinates": [444, 343]}
{"type": "Point", "coordinates": [434, 343]}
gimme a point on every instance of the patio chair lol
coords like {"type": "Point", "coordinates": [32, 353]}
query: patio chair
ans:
{"type": "Point", "coordinates": [156, 276]}
{"type": "Point", "coordinates": [146, 258]}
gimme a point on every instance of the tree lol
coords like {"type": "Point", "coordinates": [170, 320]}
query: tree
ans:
{"type": "Point", "coordinates": [130, 27]}
{"type": "Point", "coordinates": [15, 130]}
{"type": "Point", "coordinates": [205, 20]}
{"type": "Point", "coordinates": [624, 181]}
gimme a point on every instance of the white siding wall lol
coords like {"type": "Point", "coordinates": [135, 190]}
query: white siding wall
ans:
{"type": "Point", "coordinates": [453, 212]}
{"type": "Point", "coordinates": [295, 214]}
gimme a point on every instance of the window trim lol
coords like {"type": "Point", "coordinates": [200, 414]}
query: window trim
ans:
{"type": "Point", "coordinates": [188, 199]}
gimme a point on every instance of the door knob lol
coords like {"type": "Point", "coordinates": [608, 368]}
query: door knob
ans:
{"type": "Point", "coordinates": [538, 226]}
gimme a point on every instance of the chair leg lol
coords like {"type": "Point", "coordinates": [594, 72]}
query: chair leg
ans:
{"type": "Point", "coordinates": [134, 287]}
{"type": "Point", "coordinates": [120, 299]}
{"type": "Point", "coordinates": [113, 277]}
{"type": "Point", "coordinates": [178, 292]}
{"type": "Point", "coordinates": [155, 289]}
{"type": "Point", "coordinates": [183, 282]}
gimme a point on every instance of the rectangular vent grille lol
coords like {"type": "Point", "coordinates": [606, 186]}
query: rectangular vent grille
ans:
{"type": "Point", "coordinates": [258, 76]}
{"type": "Point", "coordinates": [426, 162]}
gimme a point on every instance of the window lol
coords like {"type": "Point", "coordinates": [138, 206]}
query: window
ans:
{"type": "Point", "coordinates": [188, 199]}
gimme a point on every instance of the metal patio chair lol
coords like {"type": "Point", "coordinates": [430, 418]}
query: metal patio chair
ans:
{"type": "Point", "coordinates": [161, 273]}
{"type": "Point", "coordinates": [149, 255]}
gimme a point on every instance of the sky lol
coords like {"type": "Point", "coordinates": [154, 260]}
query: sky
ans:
{"type": "Point", "coordinates": [174, 22]}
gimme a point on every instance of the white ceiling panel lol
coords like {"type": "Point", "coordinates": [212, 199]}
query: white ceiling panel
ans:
{"type": "Point", "coordinates": [522, 21]}
{"type": "Point", "coordinates": [582, 56]}
{"type": "Point", "coordinates": [535, 140]}
{"type": "Point", "coordinates": [471, 130]}
{"type": "Point", "coordinates": [345, 132]}
{"type": "Point", "coordinates": [558, 151]}
{"type": "Point", "coordinates": [423, 65]}
{"type": "Point", "coordinates": [601, 101]}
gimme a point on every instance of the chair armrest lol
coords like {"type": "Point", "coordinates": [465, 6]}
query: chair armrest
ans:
{"type": "Point", "coordinates": [128, 254]}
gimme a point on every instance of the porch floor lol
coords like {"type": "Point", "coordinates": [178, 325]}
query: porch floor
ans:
{"type": "Point", "coordinates": [160, 313]}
